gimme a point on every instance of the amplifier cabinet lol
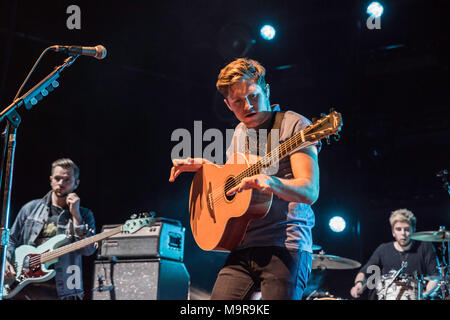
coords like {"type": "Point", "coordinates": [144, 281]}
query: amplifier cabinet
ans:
{"type": "Point", "coordinates": [163, 239]}
{"type": "Point", "coordinates": [143, 279]}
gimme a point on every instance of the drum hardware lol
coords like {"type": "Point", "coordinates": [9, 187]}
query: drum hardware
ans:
{"type": "Point", "coordinates": [437, 278]}
{"type": "Point", "coordinates": [383, 296]}
{"type": "Point", "coordinates": [442, 289]}
{"type": "Point", "coordinates": [441, 235]}
{"type": "Point", "coordinates": [323, 262]}
{"type": "Point", "coordinates": [322, 295]}
{"type": "Point", "coordinates": [395, 286]}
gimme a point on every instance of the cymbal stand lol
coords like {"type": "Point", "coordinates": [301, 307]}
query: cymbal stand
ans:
{"type": "Point", "coordinates": [404, 265]}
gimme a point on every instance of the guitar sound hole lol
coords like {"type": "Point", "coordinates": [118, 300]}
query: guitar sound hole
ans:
{"type": "Point", "coordinates": [229, 184]}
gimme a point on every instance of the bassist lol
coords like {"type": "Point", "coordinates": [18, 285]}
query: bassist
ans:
{"type": "Point", "coordinates": [58, 212]}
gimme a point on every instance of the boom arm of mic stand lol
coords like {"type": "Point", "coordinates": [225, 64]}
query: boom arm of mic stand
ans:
{"type": "Point", "coordinates": [39, 91]}
{"type": "Point", "coordinates": [29, 99]}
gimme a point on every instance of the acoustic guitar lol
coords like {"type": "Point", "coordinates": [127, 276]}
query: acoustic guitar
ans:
{"type": "Point", "coordinates": [218, 221]}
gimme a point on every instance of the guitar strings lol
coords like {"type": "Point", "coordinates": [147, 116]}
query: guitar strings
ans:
{"type": "Point", "coordinates": [48, 256]}
{"type": "Point", "coordinates": [218, 195]}
{"type": "Point", "coordinates": [51, 255]}
{"type": "Point", "coordinates": [281, 151]}
{"type": "Point", "coordinates": [254, 169]}
{"type": "Point", "coordinates": [220, 199]}
{"type": "Point", "coordinates": [285, 147]}
{"type": "Point", "coordinates": [38, 259]}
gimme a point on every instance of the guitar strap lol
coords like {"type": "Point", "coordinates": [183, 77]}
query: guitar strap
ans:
{"type": "Point", "coordinates": [276, 124]}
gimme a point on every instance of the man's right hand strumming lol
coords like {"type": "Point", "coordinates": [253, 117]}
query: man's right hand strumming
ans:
{"type": "Point", "coordinates": [185, 165]}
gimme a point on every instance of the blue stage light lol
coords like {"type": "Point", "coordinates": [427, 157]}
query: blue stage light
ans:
{"type": "Point", "coordinates": [337, 224]}
{"type": "Point", "coordinates": [375, 9]}
{"type": "Point", "coordinates": [268, 32]}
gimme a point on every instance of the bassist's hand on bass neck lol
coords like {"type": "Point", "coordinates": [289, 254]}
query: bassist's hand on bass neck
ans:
{"type": "Point", "coordinates": [186, 165]}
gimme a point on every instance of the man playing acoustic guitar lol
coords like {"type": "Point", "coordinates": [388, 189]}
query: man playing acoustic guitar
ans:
{"type": "Point", "coordinates": [40, 220]}
{"type": "Point", "coordinates": [275, 255]}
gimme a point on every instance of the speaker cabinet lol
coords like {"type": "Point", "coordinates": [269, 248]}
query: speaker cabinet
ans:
{"type": "Point", "coordinates": [149, 279]}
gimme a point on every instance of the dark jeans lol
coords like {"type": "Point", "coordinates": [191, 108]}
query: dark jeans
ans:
{"type": "Point", "coordinates": [280, 274]}
{"type": "Point", "coordinates": [42, 291]}
{"type": "Point", "coordinates": [38, 291]}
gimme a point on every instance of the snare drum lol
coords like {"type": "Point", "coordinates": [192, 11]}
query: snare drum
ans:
{"type": "Point", "coordinates": [403, 288]}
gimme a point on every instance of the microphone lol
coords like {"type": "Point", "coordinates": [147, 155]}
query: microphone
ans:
{"type": "Point", "coordinates": [98, 52]}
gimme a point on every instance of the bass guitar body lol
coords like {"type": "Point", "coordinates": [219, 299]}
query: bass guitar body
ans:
{"type": "Point", "coordinates": [28, 265]}
{"type": "Point", "coordinates": [218, 221]}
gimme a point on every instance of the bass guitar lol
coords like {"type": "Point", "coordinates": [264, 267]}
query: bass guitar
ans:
{"type": "Point", "coordinates": [31, 263]}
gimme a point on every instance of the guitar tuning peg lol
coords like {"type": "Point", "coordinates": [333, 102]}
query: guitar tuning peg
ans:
{"type": "Point", "coordinates": [133, 216]}
{"type": "Point", "coordinates": [323, 115]}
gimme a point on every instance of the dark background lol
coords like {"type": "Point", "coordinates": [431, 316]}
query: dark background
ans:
{"type": "Point", "coordinates": [114, 117]}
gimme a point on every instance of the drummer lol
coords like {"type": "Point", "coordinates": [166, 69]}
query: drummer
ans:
{"type": "Point", "coordinates": [420, 256]}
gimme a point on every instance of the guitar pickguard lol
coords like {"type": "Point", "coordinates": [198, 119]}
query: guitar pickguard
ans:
{"type": "Point", "coordinates": [29, 269]}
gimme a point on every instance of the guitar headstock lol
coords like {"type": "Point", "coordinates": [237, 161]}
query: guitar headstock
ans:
{"type": "Point", "coordinates": [324, 127]}
{"type": "Point", "coordinates": [137, 222]}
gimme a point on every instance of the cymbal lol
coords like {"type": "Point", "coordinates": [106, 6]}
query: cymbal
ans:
{"type": "Point", "coordinates": [325, 261]}
{"type": "Point", "coordinates": [316, 247]}
{"type": "Point", "coordinates": [432, 236]}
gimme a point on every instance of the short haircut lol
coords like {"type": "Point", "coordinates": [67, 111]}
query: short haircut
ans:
{"type": "Point", "coordinates": [66, 163]}
{"type": "Point", "coordinates": [403, 215]}
{"type": "Point", "coordinates": [240, 70]}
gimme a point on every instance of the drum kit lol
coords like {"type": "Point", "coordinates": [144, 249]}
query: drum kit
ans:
{"type": "Point", "coordinates": [396, 285]}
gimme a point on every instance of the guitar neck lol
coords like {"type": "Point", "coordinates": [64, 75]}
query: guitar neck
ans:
{"type": "Point", "coordinates": [300, 139]}
{"type": "Point", "coordinates": [51, 255]}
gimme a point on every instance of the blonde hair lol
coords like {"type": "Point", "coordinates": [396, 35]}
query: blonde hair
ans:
{"type": "Point", "coordinates": [239, 70]}
{"type": "Point", "coordinates": [403, 215]}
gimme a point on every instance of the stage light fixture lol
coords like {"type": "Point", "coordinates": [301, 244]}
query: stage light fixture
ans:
{"type": "Point", "coordinates": [375, 9]}
{"type": "Point", "coordinates": [268, 32]}
{"type": "Point", "coordinates": [337, 224]}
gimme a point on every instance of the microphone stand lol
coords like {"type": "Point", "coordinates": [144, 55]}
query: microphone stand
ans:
{"type": "Point", "coordinates": [29, 99]}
